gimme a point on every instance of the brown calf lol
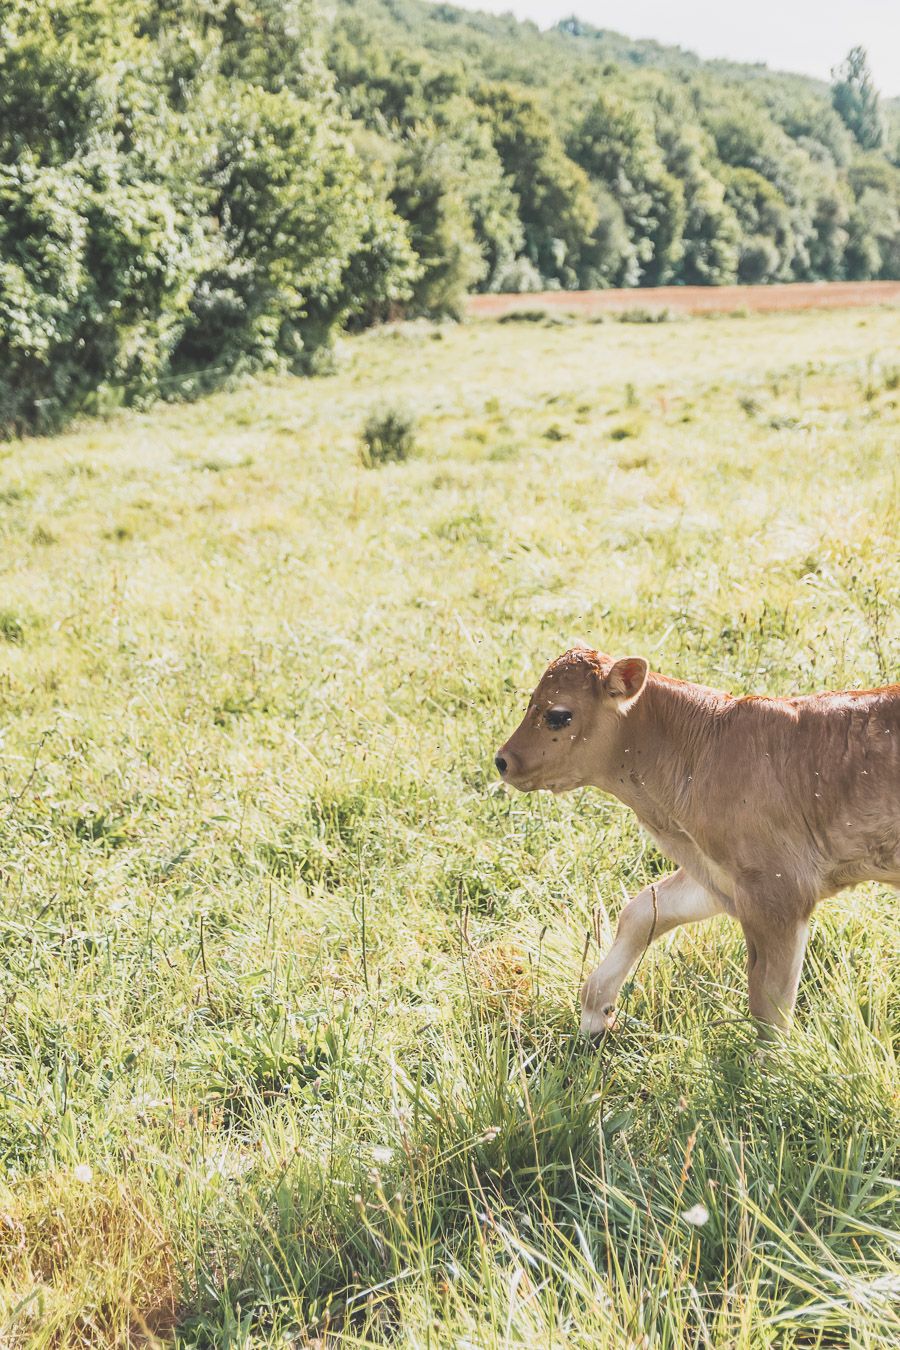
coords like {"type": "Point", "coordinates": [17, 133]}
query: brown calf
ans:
{"type": "Point", "coordinates": [767, 805]}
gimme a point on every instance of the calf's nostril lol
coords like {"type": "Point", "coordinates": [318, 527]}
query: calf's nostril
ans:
{"type": "Point", "coordinates": [500, 763]}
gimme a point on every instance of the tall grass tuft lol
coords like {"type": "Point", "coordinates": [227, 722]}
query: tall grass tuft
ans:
{"type": "Point", "coordinates": [388, 436]}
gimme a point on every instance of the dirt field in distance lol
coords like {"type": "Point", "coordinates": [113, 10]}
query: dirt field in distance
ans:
{"type": "Point", "coordinates": [695, 299]}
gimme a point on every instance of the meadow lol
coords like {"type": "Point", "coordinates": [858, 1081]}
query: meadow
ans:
{"type": "Point", "coordinates": [289, 1048]}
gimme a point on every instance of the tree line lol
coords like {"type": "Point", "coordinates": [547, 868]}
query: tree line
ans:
{"type": "Point", "coordinates": [575, 158]}
{"type": "Point", "coordinates": [191, 189]}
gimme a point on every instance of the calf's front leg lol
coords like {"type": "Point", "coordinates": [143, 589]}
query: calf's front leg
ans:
{"type": "Point", "coordinates": [679, 899]}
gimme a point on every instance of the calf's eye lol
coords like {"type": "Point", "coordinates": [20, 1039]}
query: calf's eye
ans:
{"type": "Point", "coordinates": [557, 718]}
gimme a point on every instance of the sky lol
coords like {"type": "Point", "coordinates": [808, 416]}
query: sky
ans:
{"type": "Point", "coordinates": [809, 36]}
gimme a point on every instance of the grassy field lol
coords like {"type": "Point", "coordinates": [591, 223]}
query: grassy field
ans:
{"type": "Point", "coordinates": [289, 984]}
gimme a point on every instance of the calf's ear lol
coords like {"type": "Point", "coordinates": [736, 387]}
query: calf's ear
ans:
{"type": "Point", "coordinates": [626, 679]}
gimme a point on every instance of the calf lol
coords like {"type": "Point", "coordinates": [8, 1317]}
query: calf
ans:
{"type": "Point", "coordinates": [767, 805]}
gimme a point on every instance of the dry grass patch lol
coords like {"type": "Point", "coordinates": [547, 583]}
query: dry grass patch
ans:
{"type": "Point", "coordinates": [83, 1262]}
{"type": "Point", "coordinates": [501, 978]}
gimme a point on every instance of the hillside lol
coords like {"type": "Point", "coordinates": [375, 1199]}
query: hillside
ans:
{"type": "Point", "coordinates": [500, 44]}
{"type": "Point", "coordinates": [606, 160]}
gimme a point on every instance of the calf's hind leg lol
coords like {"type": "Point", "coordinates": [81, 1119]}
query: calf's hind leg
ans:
{"type": "Point", "coordinates": [774, 961]}
{"type": "Point", "coordinates": [679, 899]}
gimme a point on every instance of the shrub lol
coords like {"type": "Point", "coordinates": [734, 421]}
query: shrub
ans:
{"type": "Point", "coordinates": [519, 276]}
{"type": "Point", "coordinates": [11, 627]}
{"type": "Point", "coordinates": [295, 217]}
{"type": "Point", "coordinates": [524, 316]}
{"type": "Point", "coordinates": [95, 275]}
{"type": "Point", "coordinates": [389, 435]}
{"type": "Point", "coordinates": [639, 315]}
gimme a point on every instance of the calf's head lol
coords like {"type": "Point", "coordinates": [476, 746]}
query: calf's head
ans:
{"type": "Point", "coordinates": [570, 732]}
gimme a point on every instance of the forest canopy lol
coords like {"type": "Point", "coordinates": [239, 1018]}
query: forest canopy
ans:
{"type": "Point", "coordinates": [192, 190]}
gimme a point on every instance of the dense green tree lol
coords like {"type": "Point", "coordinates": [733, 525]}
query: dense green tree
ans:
{"type": "Point", "coordinates": [767, 247]}
{"type": "Point", "coordinates": [610, 257]}
{"type": "Point", "coordinates": [872, 171]}
{"type": "Point", "coordinates": [711, 244]}
{"type": "Point", "coordinates": [828, 243]}
{"type": "Point", "coordinates": [711, 231]}
{"type": "Point", "coordinates": [814, 126]}
{"type": "Point", "coordinates": [427, 191]}
{"type": "Point", "coordinates": [287, 195]}
{"type": "Point", "coordinates": [875, 221]}
{"type": "Point", "coordinates": [433, 124]}
{"type": "Point", "coordinates": [855, 99]}
{"type": "Point", "coordinates": [95, 278]}
{"type": "Point", "coordinates": [556, 204]}
{"type": "Point", "coordinates": [614, 144]}
{"type": "Point", "coordinates": [291, 208]}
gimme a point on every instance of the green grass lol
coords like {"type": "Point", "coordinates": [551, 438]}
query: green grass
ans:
{"type": "Point", "coordinates": [289, 985]}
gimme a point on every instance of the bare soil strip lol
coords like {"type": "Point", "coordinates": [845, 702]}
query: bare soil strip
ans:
{"type": "Point", "coordinates": [694, 299]}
